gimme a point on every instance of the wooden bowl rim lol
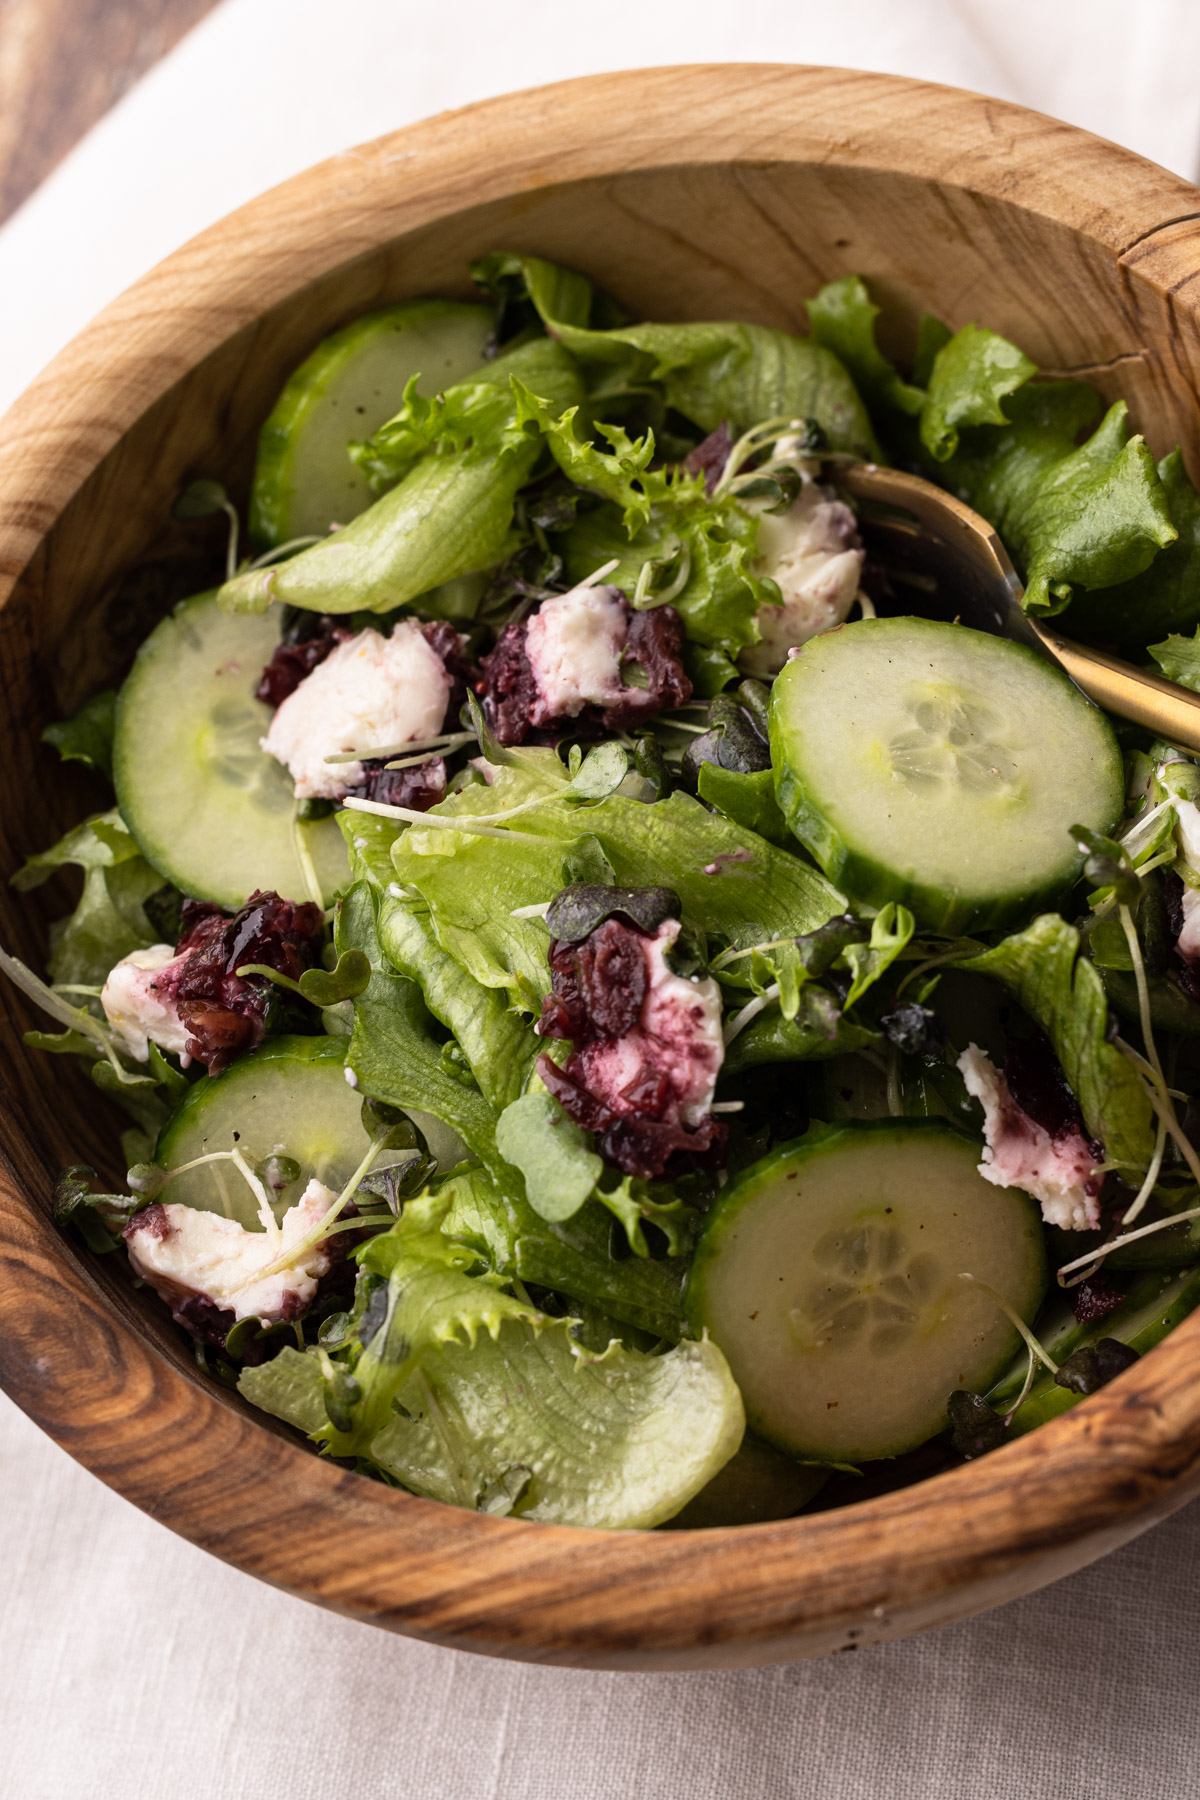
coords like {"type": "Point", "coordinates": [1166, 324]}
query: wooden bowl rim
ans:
{"type": "Point", "coordinates": [753, 1593]}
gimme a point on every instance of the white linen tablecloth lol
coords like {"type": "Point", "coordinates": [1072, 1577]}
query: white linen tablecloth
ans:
{"type": "Point", "coordinates": [134, 1667]}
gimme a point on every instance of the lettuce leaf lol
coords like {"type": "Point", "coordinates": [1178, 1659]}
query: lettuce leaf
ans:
{"type": "Point", "coordinates": [391, 1052]}
{"type": "Point", "coordinates": [526, 290]}
{"type": "Point", "coordinates": [455, 1386]}
{"type": "Point", "coordinates": [1062, 992]}
{"type": "Point", "coordinates": [971, 376]}
{"type": "Point", "coordinates": [717, 373]}
{"type": "Point", "coordinates": [819, 1029]}
{"type": "Point", "coordinates": [461, 459]}
{"type": "Point", "coordinates": [1072, 518]}
{"type": "Point", "coordinates": [616, 1441]}
{"type": "Point", "coordinates": [729, 880]}
{"type": "Point", "coordinates": [500, 1048]}
{"type": "Point", "coordinates": [1179, 659]}
{"type": "Point", "coordinates": [842, 318]}
{"type": "Point", "coordinates": [529, 1422]}
{"type": "Point", "coordinates": [88, 736]}
{"type": "Point", "coordinates": [1166, 596]}
{"type": "Point", "coordinates": [1087, 519]}
{"type": "Point", "coordinates": [573, 1257]}
{"type": "Point", "coordinates": [109, 920]}
{"type": "Point", "coordinates": [701, 548]}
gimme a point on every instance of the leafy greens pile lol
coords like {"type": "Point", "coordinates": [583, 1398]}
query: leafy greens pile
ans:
{"type": "Point", "coordinates": [524, 1308]}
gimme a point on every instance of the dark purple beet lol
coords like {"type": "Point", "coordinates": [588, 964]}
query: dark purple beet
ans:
{"type": "Point", "coordinates": [710, 456]}
{"type": "Point", "coordinates": [307, 643]}
{"type": "Point", "coordinates": [598, 986]}
{"type": "Point", "coordinates": [420, 787]}
{"type": "Point", "coordinates": [1095, 1298]}
{"type": "Point", "coordinates": [655, 644]}
{"type": "Point", "coordinates": [1039, 1087]}
{"type": "Point", "coordinates": [633, 1143]}
{"type": "Point", "coordinates": [224, 1012]}
{"type": "Point", "coordinates": [507, 687]}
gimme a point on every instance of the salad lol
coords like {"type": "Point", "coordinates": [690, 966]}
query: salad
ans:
{"type": "Point", "coordinates": [621, 1017]}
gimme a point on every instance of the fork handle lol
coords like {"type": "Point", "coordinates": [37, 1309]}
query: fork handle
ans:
{"type": "Point", "coordinates": [1163, 707]}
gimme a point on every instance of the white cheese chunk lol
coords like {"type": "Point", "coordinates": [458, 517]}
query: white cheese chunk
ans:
{"type": "Point", "coordinates": [181, 1250]}
{"type": "Point", "coordinates": [811, 552]}
{"type": "Point", "coordinates": [370, 691]}
{"type": "Point", "coordinates": [1187, 832]}
{"type": "Point", "coordinates": [1057, 1172]}
{"type": "Point", "coordinates": [678, 1037]}
{"type": "Point", "coordinates": [574, 646]}
{"type": "Point", "coordinates": [136, 1009]}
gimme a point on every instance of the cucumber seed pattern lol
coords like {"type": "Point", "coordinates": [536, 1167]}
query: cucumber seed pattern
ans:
{"type": "Point", "coordinates": [874, 1287]}
{"type": "Point", "coordinates": [954, 737]}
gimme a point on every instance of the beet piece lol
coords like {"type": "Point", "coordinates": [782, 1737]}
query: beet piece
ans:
{"type": "Point", "coordinates": [710, 456]}
{"type": "Point", "coordinates": [420, 787]}
{"type": "Point", "coordinates": [307, 643]}
{"type": "Point", "coordinates": [598, 985]}
{"type": "Point", "coordinates": [647, 1147]}
{"type": "Point", "coordinates": [224, 1012]}
{"type": "Point", "coordinates": [447, 644]}
{"type": "Point", "coordinates": [655, 644]}
{"type": "Point", "coordinates": [511, 698]}
{"type": "Point", "coordinates": [507, 687]}
{"type": "Point", "coordinates": [1094, 1298]}
{"type": "Point", "coordinates": [1039, 1087]}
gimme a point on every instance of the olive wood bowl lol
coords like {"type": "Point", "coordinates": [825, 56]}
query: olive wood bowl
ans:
{"type": "Point", "coordinates": [706, 192]}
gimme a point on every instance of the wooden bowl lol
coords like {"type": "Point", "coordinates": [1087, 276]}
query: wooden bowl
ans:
{"type": "Point", "coordinates": [691, 193]}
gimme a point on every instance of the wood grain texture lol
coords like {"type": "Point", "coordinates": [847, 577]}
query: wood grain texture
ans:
{"type": "Point", "coordinates": [785, 178]}
{"type": "Point", "coordinates": [63, 63]}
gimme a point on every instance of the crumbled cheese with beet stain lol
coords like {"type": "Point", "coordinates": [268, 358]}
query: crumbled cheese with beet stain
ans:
{"type": "Point", "coordinates": [678, 1036]}
{"type": "Point", "coordinates": [183, 1252]}
{"type": "Point", "coordinates": [142, 1012]}
{"type": "Point", "coordinates": [1057, 1171]}
{"type": "Point", "coordinates": [1187, 817]}
{"type": "Point", "coordinates": [648, 1048]}
{"type": "Point", "coordinates": [369, 691]}
{"type": "Point", "coordinates": [583, 652]}
{"type": "Point", "coordinates": [574, 644]}
{"type": "Point", "coordinates": [812, 552]}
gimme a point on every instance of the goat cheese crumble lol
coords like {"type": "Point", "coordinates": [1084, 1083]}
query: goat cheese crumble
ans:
{"type": "Point", "coordinates": [1057, 1172]}
{"type": "Point", "coordinates": [180, 1250]}
{"type": "Point", "coordinates": [370, 691]}
{"type": "Point", "coordinates": [677, 1038]}
{"type": "Point", "coordinates": [137, 1011]}
{"type": "Point", "coordinates": [812, 553]}
{"type": "Point", "coordinates": [574, 644]}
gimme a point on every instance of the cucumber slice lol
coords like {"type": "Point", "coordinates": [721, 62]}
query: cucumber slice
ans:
{"type": "Point", "coordinates": [352, 383]}
{"type": "Point", "coordinates": [288, 1098]}
{"type": "Point", "coordinates": [1170, 1008]}
{"type": "Point", "coordinates": [939, 766]}
{"type": "Point", "coordinates": [210, 810]}
{"type": "Point", "coordinates": [1154, 1305]}
{"type": "Point", "coordinates": [828, 1273]}
{"type": "Point", "coordinates": [757, 1484]}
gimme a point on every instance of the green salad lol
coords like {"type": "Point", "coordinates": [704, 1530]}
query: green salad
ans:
{"type": "Point", "coordinates": [621, 1017]}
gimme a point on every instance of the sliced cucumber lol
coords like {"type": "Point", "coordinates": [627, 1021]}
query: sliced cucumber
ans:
{"type": "Point", "coordinates": [1154, 1305]}
{"type": "Point", "coordinates": [830, 1275]}
{"type": "Point", "coordinates": [1170, 1007]}
{"type": "Point", "coordinates": [211, 810]}
{"type": "Point", "coordinates": [288, 1098]}
{"type": "Point", "coordinates": [758, 1483]}
{"type": "Point", "coordinates": [352, 383]}
{"type": "Point", "coordinates": [939, 766]}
